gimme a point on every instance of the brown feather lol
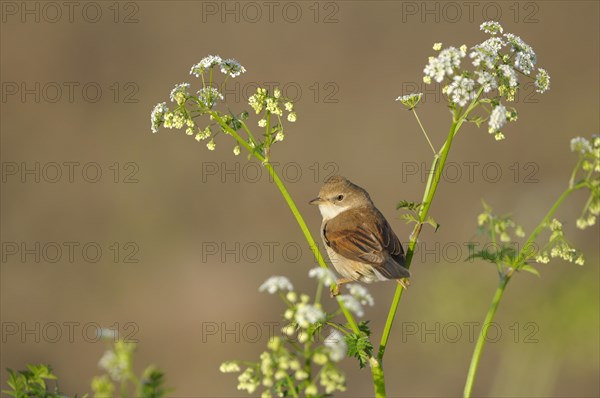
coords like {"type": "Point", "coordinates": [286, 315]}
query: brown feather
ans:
{"type": "Point", "coordinates": [364, 235]}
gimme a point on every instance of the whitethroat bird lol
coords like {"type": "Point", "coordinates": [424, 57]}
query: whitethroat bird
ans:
{"type": "Point", "coordinates": [360, 242]}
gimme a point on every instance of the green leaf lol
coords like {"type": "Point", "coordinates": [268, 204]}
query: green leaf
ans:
{"type": "Point", "coordinates": [365, 328]}
{"type": "Point", "coordinates": [360, 347]}
{"type": "Point", "coordinates": [405, 204]}
{"type": "Point", "coordinates": [408, 217]}
{"type": "Point", "coordinates": [432, 222]}
{"type": "Point", "coordinates": [530, 269]}
{"type": "Point", "coordinates": [152, 383]}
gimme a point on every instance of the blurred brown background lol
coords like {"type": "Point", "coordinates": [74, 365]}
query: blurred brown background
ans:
{"type": "Point", "coordinates": [78, 85]}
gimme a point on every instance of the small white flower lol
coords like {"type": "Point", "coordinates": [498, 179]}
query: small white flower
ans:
{"type": "Point", "coordinates": [157, 116]}
{"type": "Point", "coordinates": [307, 314]}
{"type": "Point", "coordinates": [486, 53]}
{"type": "Point", "coordinates": [352, 304]}
{"type": "Point", "coordinates": [208, 96]}
{"type": "Point", "coordinates": [337, 345]}
{"type": "Point", "coordinates": [509, 73]}
{"type": "Point", "coordinates": [236, 150]}
{"type": "Point", "coordinates": [497, 119]}
{"type": "Point", "coordinates": [325, 275]}
{"type": "Point", "coordinates": [580, 144]}
{"type": "Point", "coordinates": [275, 284]}
{"type": "Point", "coordinates": [542, 258]}
{"type": "Point", "coordinates": [272, 105]}
{"type": "Point", "coordinates": [204, 64]}
{"type": "Point", "coordinates": [288, 106]}
{"type": "Point", "coordinates": [229, 367]}
{"type": "Point", "coordinates": [491, 27]}
{"type": "Point", "coordinates": [461, 90]}
{"type": "Point", "coordinates": [291, 296]}
{"type": "Point", "coordinates": [487, 80]}
{"type": "Point", "coordinates": [248, 381]}
{"type": "Point", "coordinates": [279, 136]}
{"type": "Point", "coordinates": [525, 61]}
{"type": "Point", "coordinates": [444, 64]}
{"type": "Point", "coordinates": [361, 293]}
{"type": "Point", "coordinates": [301, 375]}
{"type": "Point", "coordinates": [437, 46]}
{"type": "Point", "coordinates": [542, 81]}
{"type": "Point", "coordinates": [262, 123]}
{"type": "Point", "coordinates": [291, 117]}
{"type": "Point", "coordinates": [179, 93]}
{"type": "Point", "coordinates": [211, 145]}
{"type": "Point", "coordinates": [257, 100]}
{"type": "Point", "coordinates": [581, 223]}
{"type": "Point", "coordinates": [232, 67]}
{"type": "Point", "coordinates": [107, 334]}
{"type": "Point", "coordinates": [115, 365]}
{"type": "Point", "coordinates": [410, 100]}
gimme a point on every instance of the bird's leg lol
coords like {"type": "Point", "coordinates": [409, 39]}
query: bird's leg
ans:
{"type": "Point", "coordinates": [335, 290]}
{"type": "Point", "coordinates": [404, 282]}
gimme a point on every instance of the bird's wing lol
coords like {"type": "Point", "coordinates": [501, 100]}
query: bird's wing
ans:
{"type": "Point", "coordinates": [369, 242]}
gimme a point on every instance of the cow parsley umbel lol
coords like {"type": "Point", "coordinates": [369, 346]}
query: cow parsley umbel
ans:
{"type": "Point", "coordinates": [285, 368]}
{"type": "Point", "coordinates": [498, 62]}
{"type": "Point", "coordinates": [272, 107]}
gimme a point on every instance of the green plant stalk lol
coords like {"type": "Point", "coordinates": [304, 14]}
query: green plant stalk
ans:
{"type": "Point", "coordinates": [481, 339]}
{"type": "Point", "coordinates": [378, 378]}
{"type": "Point", "coordinates": [308, 236]}
{"type": "Point", "coordinates": [430, 190]}
{"type": "Point", "coordinates": [432, 183]}
{"type": "Point", "coordinates": [292, 205]}
{"type": "Point", "coordinates": [504, 278]}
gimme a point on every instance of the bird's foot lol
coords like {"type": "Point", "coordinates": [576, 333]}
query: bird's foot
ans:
{"type": "Point", "coordinates": [335, 290]}
{"type": "Point", "coordinates": [404, 282]}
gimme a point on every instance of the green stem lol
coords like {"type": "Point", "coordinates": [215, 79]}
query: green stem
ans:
{"type": "Point", "coordinates": [423, 130]}
{"type": "Point", "coordinates": [438, 164]}
{"type": "Point", "coordinates": [309, 238]}
{"type": "Point", "coordinates": [482, 336]}
{"type": "Point", "coordinates": [292, 205]}
{"type": "Point", "coordinates": [432, 183]}
{"type": "Point", "coordinates": [430, 189]}
{"type": "Point", "coordinates": [378, 378]}
{"type": "Point", "coordinates": [522, 257]}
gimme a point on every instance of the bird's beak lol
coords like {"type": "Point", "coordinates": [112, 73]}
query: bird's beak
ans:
{"type": "Point", "coordinates": [316, 201]}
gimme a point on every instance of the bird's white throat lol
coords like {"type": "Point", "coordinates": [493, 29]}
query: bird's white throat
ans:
{"type": "Point", "coordinates": [329, 211]}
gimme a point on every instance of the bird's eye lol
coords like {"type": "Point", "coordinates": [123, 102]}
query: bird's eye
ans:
{"type": "Point", "coordinates": [340, 197]}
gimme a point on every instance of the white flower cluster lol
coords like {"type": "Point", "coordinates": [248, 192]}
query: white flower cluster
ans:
{"type": "Point", "coordinates": [361, 293]}
{"type": "Point", "coordinates": [157, 117]}
{"type": "Point", "coordinates": [461, 90]}
{"type": "Point", "coordinates": [325, 275]}
{"type": "Point", "coordinates": [559, 247]}
{"type": "Point", "coordinates": [498, 60]}
{"type": "Point", "coordinates": [208, 97]}
{"type": "Point", "coordinates": [589, 158]}
{"type": "Point", "coordinates": [179, 94]}
{"type": "Point", "coordinates": [308, 314]}
{"type": "Point", "coordinates": [283, 367]}
{"type": "Point", "coordinates": [410, 100]}
{"type": "Point", "coordinates": [116, 362]}
{"type": "Point", "coordinates": [445, 64]}
{"type": "Point", "coordinates": [262, 101]}
{"type": "Point", "coordinates": [275, 284]}
{"type": "Point", "coordinates": [228, 67]}
{"type": "Point", "coordinates": [337, 345]}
